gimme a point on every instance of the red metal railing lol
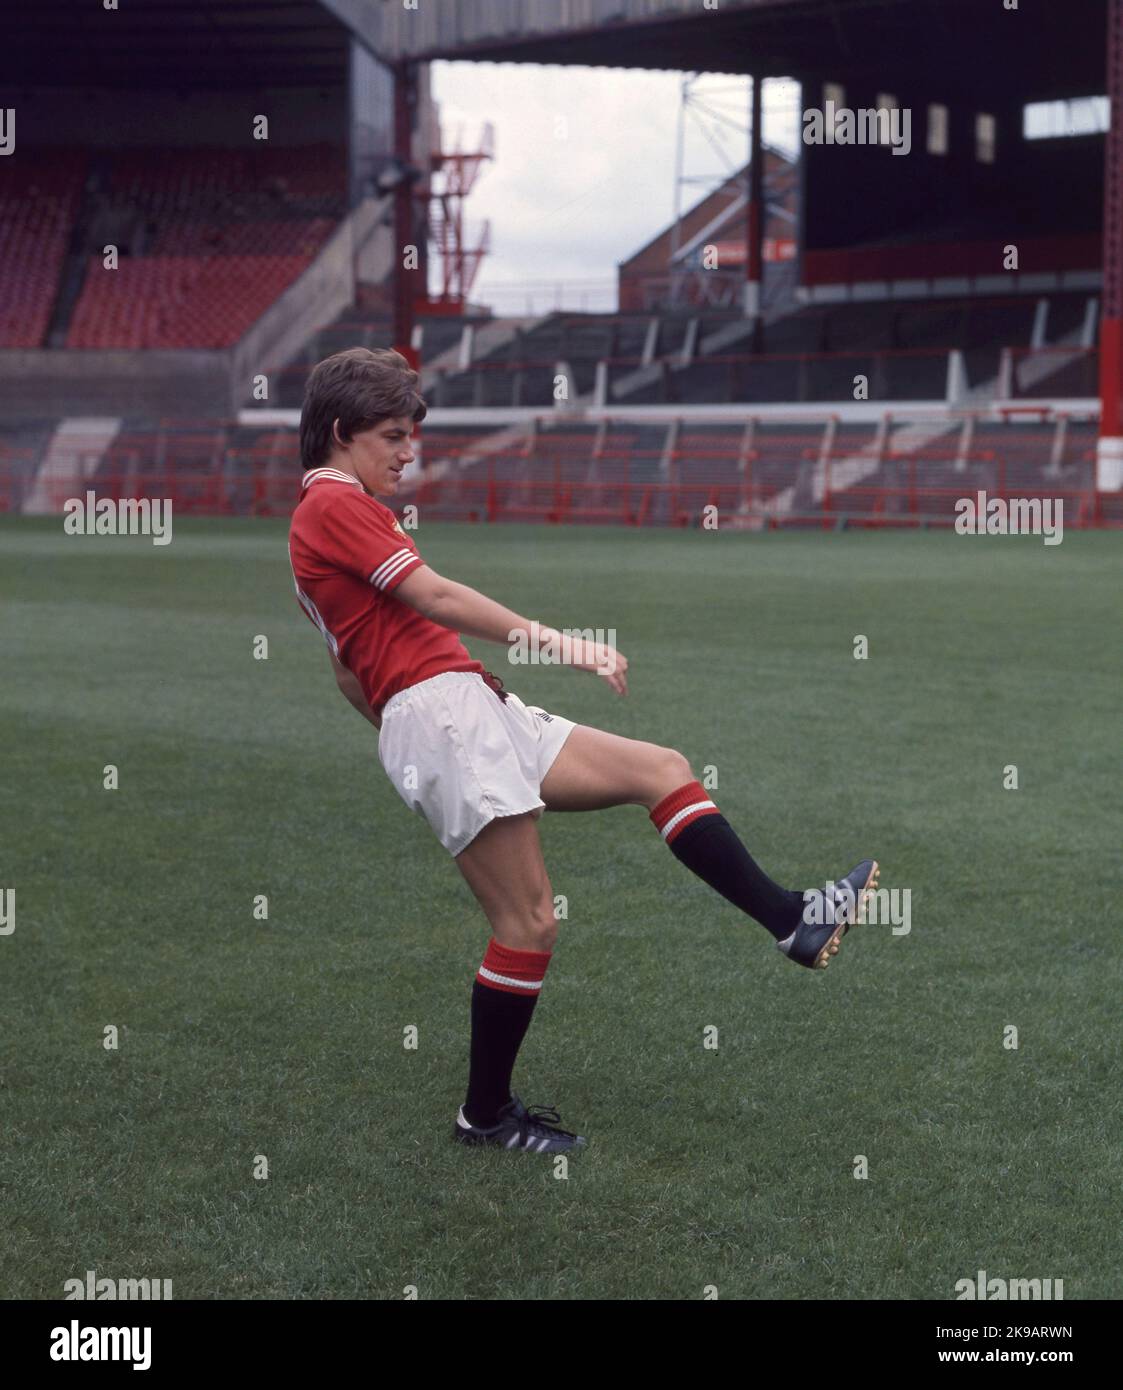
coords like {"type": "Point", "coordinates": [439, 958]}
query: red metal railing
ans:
{"type": "Point", "coordinates": [565, 502]}
{"type": "Point", "coordinates": [560, 478]}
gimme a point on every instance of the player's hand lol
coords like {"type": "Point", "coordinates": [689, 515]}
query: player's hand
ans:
{"type": "Point", "coordinates": [604, 661]}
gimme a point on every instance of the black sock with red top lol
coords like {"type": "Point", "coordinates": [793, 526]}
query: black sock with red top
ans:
{"type": "Point", "coordinates": [503, 998]}
{"type": "Point", "coordinates": [702, 839]}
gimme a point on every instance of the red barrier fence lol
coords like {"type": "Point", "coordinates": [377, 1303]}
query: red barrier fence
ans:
{"type": "Point", "coordinates": [755, 474]}
{"type": "Point", "coordinates": [483, 497]}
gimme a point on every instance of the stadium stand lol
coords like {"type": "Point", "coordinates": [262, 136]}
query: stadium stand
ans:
{"type": "Point", "coordinates": [687, 404]}
{"type": "Point", "coordinates": [814, 354]}
{"type": "Point", "coordinates": [38, 205]}
{"type": "Point", "coordinates": [208, 239]}
{"type": "Point", "coordinates": [217, 236]}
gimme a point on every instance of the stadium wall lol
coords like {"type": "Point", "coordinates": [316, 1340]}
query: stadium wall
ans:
{"type": "Point", "coordinates": [106, 119]}
{"type": "Point", "coordinates": [49, 383]}
{"type": "Point", "coordinates": [371, 96]}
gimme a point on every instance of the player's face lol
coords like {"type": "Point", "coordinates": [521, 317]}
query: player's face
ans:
{"type": "Point", "coordinates": [378, 455]}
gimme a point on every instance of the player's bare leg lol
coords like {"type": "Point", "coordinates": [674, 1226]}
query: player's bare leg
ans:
{"type": "Point", "coordinates": [596, 770]}
{"type": "Point", "coordinates": [505, 870]}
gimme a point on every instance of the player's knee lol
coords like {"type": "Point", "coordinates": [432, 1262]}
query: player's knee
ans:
{"type": "Point", "coordinates": [659, 772]}
{"type": "Point", "coordinates": [527, 926]}
{"type": "Point", "coordinates": [543, 927]}
{"type": "Point", "coordinates": [674, 768]}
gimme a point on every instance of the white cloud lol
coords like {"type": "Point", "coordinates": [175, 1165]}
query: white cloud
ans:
{"type": "Point", "coordinates": [584, 168]}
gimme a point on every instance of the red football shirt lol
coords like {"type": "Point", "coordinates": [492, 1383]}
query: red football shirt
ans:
{"type": "Point", "coordinates": [348, 555]}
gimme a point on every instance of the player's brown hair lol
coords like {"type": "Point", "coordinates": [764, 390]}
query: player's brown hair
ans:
{"type": "Point", "coordinates": [360, 388]}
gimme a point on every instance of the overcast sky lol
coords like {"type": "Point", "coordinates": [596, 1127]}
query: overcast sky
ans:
{"type": "Point", "coordinates": [584, 167]}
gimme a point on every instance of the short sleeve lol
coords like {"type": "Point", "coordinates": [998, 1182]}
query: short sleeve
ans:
{"type": "Point", "coordinates": [358, 536]}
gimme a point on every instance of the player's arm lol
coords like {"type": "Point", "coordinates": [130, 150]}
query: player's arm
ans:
{"type": "Point", "coordinates": [473, 614]}
{"type": "Point", "coordinates": [349, 685]}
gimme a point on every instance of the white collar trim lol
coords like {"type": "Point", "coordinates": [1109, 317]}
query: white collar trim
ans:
{"type": "Point", "coordinates": [328, 475]}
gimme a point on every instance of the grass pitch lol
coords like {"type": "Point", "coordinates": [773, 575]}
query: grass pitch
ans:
{"type": "Point", "coordinates": [732, 1167]}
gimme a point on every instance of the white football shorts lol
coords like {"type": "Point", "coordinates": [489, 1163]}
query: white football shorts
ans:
{"type": "Point", "coordinates": [460, 756]}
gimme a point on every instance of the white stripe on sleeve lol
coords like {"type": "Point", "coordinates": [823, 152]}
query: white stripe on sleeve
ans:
{"type": "Point", "coordinates": [400, 560]}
